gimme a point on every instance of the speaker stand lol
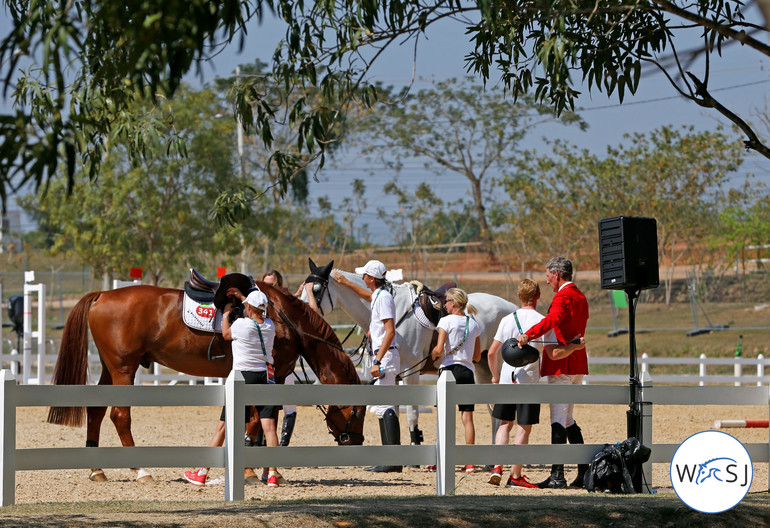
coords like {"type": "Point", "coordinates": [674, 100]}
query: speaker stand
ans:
{"type": "Point", "coordinates": [634, 413]}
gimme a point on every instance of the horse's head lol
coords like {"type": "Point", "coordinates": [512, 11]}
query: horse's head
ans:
{"type": "Point", "coordinates": [319, 278]}
{"type": "Point", "coordinates": [346, 423]}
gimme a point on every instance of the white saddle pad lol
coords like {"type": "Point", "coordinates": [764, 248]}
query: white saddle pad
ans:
{"type": "Point", "coordinates": [201, 316]}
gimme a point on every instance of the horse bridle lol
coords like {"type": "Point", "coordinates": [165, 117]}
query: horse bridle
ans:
{"type": "Point", "coordinates": [346, 436]}
{"type": "Point", "coordinates": [324, 282]}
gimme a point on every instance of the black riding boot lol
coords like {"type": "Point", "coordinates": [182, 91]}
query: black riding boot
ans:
{"type": "Point", "coordinates": [556, 480]}
{"type": "Point", "coordinates": [416, 438]}
{"type": "Point", "coordinates": [391, 435]}
{"type": "Point", "coordinates": [575, 436]}
{"type": "Point", "coordinates": [287, 429]}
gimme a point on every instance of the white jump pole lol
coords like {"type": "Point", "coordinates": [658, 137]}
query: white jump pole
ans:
{"type": "Point", "coordinates": [39, 334]}
{"type": "Point", "coordinates": [760, 369]}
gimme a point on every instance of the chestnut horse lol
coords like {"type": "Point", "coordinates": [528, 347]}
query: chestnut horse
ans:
{"type": "Point", "coordinates": [138, 325]}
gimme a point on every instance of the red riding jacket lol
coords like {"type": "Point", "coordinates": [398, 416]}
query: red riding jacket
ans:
{"type": "Point", "coordinates": [568, 316]}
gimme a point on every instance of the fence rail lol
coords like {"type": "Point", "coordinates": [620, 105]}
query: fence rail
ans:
{"type": "Point", "coordinates": [746, 371]}
{"type": "Point", "coordinates": [234, 457]}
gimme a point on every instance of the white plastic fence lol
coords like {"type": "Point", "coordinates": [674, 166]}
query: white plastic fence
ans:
{"type": "Point", "coordinates": [234, 457]}
{"type": "Point", "coordinates": [741, 368]}
{"type": "Point", "coordinates": [746, 371]}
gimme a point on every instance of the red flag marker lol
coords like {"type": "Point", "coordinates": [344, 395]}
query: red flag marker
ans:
{"type": "Point", "coordinates": [135, 273]}
{"type": "Point", "coordinates": [221, 272]}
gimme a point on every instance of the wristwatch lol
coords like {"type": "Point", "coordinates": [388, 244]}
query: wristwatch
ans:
{"type": "Point", "coordinates": [377, 362]}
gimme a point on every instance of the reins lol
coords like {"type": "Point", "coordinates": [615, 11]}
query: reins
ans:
{"type": "Point", "coordinates": [345, 436]}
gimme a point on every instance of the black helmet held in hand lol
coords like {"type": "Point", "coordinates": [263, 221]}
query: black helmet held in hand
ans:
{"type": "Point", "coordinates": [517, 356]}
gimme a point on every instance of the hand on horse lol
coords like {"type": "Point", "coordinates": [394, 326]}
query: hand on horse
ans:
{"type": "Point", "coordinates": [235, 293]}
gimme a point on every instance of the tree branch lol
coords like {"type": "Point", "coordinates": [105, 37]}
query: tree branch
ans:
{"type": "Point", "coordinates": [707, 101]}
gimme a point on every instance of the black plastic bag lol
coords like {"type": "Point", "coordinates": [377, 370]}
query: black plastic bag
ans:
{"type": "Point", "coordinates": [612, 469]}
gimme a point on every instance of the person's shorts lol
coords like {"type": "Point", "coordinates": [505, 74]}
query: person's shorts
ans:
{"type": "Point", "coordinates": [264, 411]}
{"type": "Point", "coordinates": [528, 413]}
{"type": "Point", "coordinates": [463, 376]}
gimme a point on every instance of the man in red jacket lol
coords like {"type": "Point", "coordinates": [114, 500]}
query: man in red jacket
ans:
{"type": "Point", "coordinates": [565, 363]}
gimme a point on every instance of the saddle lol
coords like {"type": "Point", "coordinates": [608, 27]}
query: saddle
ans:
{"type": "Point", "coordinates": [432, 301]}
{"type": "Point", "coordinates": [200, 289]}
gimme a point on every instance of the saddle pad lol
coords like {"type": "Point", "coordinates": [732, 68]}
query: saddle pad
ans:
{"type": "Point", "coordinates": [419, 314]}
{"type": "Point", "coordinates": [201, 315]}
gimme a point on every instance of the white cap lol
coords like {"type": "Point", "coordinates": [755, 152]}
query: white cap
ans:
{"type": "Point", "coordinates": [257, 299]}
{"type": "Point", "coordinates": [373, 268]}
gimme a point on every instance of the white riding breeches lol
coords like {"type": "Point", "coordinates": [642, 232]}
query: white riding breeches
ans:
{"type": "Point", "coordinates": [562, 412]}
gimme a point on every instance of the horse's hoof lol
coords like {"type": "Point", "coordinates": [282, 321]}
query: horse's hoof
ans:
{"type": "Point", "coordinates": [146, 479]}
{"type": "Point", "coordinates": [97, 476]}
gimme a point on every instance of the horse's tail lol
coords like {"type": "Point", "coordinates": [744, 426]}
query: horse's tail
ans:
{"type": "Point", "coordinates": [72, 363]}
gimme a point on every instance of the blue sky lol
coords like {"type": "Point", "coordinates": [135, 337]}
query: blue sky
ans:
{"type": "Point", "coordinates": [741, 81]}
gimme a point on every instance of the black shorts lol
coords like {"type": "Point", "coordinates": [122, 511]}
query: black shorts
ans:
{"type": "Point", "coordinates": [463, 376]}
{"type": "Point", "coordinates": [264, 411]}
{"type": "Point", "coordinates": [528, 413]}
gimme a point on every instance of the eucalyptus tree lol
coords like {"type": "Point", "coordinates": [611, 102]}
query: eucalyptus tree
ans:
{"type": "Point", "coordinates": [458, 127]}
{"type": "Point", "coordinates": [674, 176]}
{"type": "Point", "coordinates": [152, 214]}
{"type": "Point", "coordinates": [91, 59]}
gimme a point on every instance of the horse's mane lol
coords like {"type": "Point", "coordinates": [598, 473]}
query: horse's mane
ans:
{"type": "Point", "coordinates": [326, 335]}
{"type": "Point", "coordinates": [359, 280]}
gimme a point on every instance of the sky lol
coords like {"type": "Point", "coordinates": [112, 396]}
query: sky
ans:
{"type": "Point", "coordinates": [741, 81]}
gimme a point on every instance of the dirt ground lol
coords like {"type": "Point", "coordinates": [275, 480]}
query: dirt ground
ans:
{"type": "Point", "coordinates": [192, 426]}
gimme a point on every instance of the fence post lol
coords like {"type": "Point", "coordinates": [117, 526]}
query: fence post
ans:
{"type": "Point", "coordinates": [445, 434]}
{"type": "Point", "coordinates": [702, 371]}
{"type": "Point", "coordinates": [234, 433]}
{"type": "Point", "coordinates": [760, 369]}
{"type": "Point", "coordinates": [7, 438]}
{"type": "Point", "coordinates": [646, 439]}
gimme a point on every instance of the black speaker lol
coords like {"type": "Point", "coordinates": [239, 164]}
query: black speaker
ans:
{"type": "Point", "coordinates": [628, 253]}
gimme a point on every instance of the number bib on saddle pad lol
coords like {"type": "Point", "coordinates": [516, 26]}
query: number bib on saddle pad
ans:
{"type": "Point", "coordinates": [201, 315]}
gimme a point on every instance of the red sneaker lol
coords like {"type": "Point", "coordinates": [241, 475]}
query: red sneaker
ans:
{"type": "Point", "coordinates": [272, 481]}
{"type": "Point", "coordinates": [196, 477]}
{"type": "Point", "coordinates": [521, 482]}
{"type": "Point", "coordinates": [431, 468]}
{"type": "Point", "coordinates": [495, 476]}
{"type": "Point", "coordinates": [470, 468]}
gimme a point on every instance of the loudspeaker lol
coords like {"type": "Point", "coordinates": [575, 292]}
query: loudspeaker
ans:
{"type": "Point", "coordinates": [628, 253]}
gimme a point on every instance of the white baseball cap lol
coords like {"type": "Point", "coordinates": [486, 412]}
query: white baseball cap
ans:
{"type": "Point", "coordinates": [373, 268]}
{"type": "Point", "coordinates": [257, 299]}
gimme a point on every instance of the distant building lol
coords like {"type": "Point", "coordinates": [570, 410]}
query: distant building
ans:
{"type": "Point", "coordinates": [10, 232]}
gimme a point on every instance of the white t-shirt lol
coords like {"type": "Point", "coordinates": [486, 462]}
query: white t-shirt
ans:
{"type": "Point", "coordinates": [383, 307]}
{"type": "Point", "coordinates": [454, 326]}
{"type": "Point", "coordinates": [508, 329]}
{"type": "Point", "coordinates": [248, 354]}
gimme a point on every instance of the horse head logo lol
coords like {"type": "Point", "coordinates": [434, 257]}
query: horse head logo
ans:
{"type": "Point", "coordinates": [711, 468]}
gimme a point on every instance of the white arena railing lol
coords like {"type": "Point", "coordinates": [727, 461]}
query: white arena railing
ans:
{"type": "Point", "coordinates": [746, 370]}
{"type": "Point", "coordinates": [235, 394]}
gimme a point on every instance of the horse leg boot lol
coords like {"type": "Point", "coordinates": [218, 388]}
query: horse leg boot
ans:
{"type": "Point", "coordinates": [390, 430]}
{"type": "Point", "coordinates": [575, 436]}
{"type": "Point", "coordinates": [287, 429]}
{"type": "Point", "coordinates": [556, 479]}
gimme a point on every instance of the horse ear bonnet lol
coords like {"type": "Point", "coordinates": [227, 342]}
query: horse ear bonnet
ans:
{"type": "Point", "coordinates": [517, 356]}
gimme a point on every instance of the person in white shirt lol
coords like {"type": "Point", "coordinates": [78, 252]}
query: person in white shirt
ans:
{"type": "Point", "coordinates": [382, 334]}
{"type": "Point", "coordinates": [459, 346]}
{"type": "Point", "coordinates": [252, 338]}
{"type": "Point", "coordinates": [525, 414]}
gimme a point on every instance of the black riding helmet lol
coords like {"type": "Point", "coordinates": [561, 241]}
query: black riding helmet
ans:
{"type": "Point", "coordinates": [517, 356]}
